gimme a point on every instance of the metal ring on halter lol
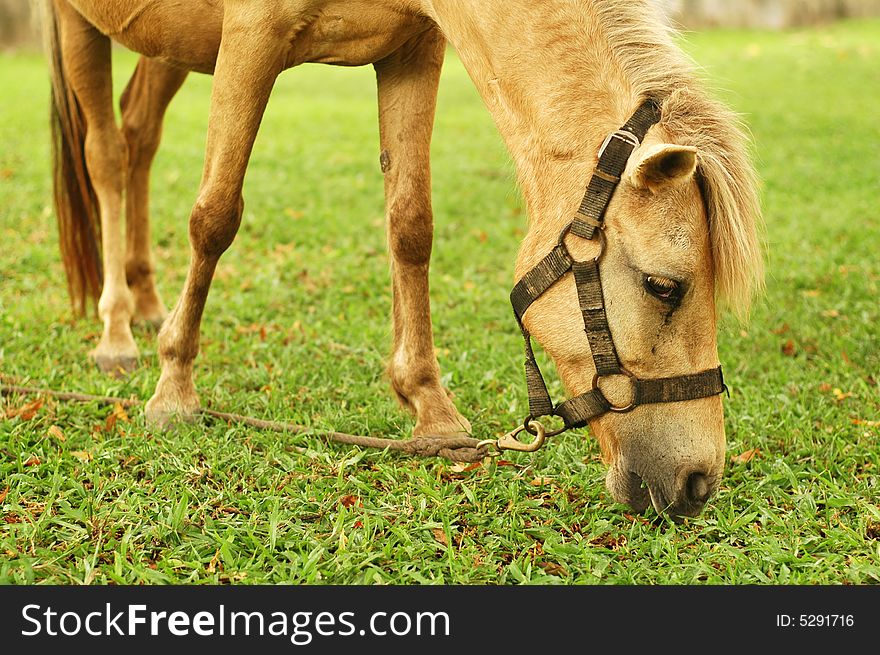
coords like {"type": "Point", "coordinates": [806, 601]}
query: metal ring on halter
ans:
{"type": "Point", "coordinates": [623, 409]}
{"type": "Point", "coordinates": [600, 230]}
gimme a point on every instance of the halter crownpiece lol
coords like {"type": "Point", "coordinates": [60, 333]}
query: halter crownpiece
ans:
{"type": "Point", "coordinates": [588, 223]}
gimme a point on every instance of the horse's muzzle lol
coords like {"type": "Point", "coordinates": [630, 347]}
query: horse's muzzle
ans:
{"type": "Point", "coordinates": [685, 495]}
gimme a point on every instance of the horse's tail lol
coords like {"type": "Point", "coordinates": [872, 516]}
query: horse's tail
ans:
{"type": "Point", "coordinates": [76, 205]}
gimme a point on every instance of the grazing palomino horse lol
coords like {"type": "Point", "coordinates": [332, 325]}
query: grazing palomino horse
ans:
{"type": "Point", "coordinates": [669, 217]}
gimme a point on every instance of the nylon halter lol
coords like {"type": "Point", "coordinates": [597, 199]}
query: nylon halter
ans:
{"type": "Point", "coordinates": [589, 224]}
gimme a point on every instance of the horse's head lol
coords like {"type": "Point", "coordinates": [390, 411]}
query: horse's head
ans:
{"type": "Point", "coordinates": [660, 265]}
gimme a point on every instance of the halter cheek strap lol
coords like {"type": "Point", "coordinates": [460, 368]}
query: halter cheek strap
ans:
{"type": "Point", "coordinates": [587, 224]}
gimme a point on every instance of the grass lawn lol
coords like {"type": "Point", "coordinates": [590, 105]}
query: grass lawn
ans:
{"type": "Point", "coordinates": [297, 329]}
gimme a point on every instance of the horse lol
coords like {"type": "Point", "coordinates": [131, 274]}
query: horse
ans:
{"type": "Point", "coordinates": [568, 83]}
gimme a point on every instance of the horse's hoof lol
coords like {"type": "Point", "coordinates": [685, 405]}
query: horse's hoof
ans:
{"type": "Point", "coordinates": [161, 415]}
{"type": "Point", "coordinates": [115, 365]}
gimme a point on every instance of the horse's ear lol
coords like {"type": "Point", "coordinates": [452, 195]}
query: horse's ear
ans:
{"type": "Point", "coordinates": [662, 166]}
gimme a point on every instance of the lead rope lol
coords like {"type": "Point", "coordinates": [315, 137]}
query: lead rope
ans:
{"type": "Point", "coordinates": [455, 449]}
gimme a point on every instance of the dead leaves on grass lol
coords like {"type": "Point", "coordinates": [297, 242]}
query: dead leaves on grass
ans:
{"type": "Point", "coordinates": [118, 415]}
{"type": "Point", "coordinates": [29, 411]}
{"type": "Point", "coordinates": [552, 568]}
{"type": "Point", "coordinates": [609, 541]}
{"type": "Point", "coordinates": [745, 456]}
{"type": "Point", "coordinates": [349, 501]}
{"type": "Point", "coordinates": [25, 412]}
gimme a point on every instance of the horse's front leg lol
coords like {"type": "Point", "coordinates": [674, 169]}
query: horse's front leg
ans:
{"type": "Point", "coordinates": [144, 102]}
{"type": "Point", "coordinates": [249, 60]}
{"type": "Point", "coordinates": [407, 82]}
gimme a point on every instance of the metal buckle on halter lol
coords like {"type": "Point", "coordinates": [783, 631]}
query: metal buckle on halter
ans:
{"type": "Point", "coordinates": [624, 135]}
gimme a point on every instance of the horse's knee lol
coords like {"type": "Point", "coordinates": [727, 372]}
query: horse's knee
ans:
{"type": "Point", "coordinates": [214, 223]}
{"type": "Point", "coordinates": [410, 233]}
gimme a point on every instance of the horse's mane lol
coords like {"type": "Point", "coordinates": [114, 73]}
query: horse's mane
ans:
{"type": "Point", "coordinates": [642, 43]}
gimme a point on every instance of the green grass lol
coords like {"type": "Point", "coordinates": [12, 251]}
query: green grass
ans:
{"type": "Point", "coordinates": [297, 329]}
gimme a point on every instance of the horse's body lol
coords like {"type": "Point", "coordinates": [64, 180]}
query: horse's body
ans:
{"type": "Point", "coordinates": [187, 35]}
{"type": "Point", "coordinates": [557, 78]}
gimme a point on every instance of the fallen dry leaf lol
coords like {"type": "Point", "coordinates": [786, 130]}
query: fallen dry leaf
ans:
{"type": "Point", "coordinates": [348, 501]}
{"type": "Point", "coordinates": [120, 413]}
{"type": "Point", "coordinates": [541, 481]}
{"type": "Point", "coordinates": [440, 536]}
{"type": "Point", "coordinates": [25, 412]}
{"type": "Point", "coordinates": [552, 568]}
{"type": "Point", "coordinates": [870, 424]}
{"type": "Point", "coordinates": [608, 540]}
{"type": "Point", "coordinates": [745, 456]}
{"type": "Point", "coordinates": [3, 494]}
{"type": "Point", "coordinates": [56, 432]}
{"type": "Point", "coordinates": [461, 467]}
{"type": "Point", "coordinates": [782, 329]}
{"type": "Point", "coordinates": [212, 565]}
{"type": "Point", "coordinates": [33, 460]}
{"type": "Point", "coordinates": [831, 313]}
{"type": "Point", "coordinates": [82, 455]}
{"type": "Point", "coordinates": [840, 396]}
{"type": "Point", "coordinates": [825, 387]}
{"type": "Point", "coordinates": [788, 348]}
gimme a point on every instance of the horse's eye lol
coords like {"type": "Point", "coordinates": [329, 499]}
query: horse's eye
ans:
{"type": "Point", "coordinates": [662, 288]}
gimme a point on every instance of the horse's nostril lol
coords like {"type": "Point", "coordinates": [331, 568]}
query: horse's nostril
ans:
{"type": "Point", "coordinates": [698, 488]}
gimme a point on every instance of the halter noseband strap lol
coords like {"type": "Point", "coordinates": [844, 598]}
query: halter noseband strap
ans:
{"type": "Point", "coordinates": [587, 224]}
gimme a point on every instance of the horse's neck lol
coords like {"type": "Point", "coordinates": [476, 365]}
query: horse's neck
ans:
{"type": "Point", "coordinates": [553, 85]}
